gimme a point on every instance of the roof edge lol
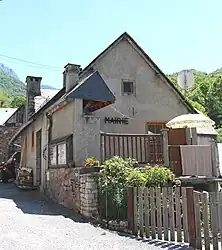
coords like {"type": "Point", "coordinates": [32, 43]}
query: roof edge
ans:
{"type": "Point", "coordinates": [125, 35]}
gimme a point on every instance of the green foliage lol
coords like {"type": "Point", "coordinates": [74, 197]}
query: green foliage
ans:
{"type": "Point", "coordinates": [158, 176]}
{"type": "Point", "coordinates": [206, 94]}
{"type": "Point", "coordinates": [136, 178]}
{"type": "Point", "coordinates": [116, 170]}
{"type": "Point", "coordinates": [17, 101]}
{"type": "Point", "coordinates": [118, 174]}
{"type": "Point", "coordinates": [12, 91]}
{"type": "Point", "coordinates": [219, 136]}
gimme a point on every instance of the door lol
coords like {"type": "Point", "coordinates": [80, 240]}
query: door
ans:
{"type": "Point", "coordinates": [38, 157]}
{"type": "Point", "coordinates": [176, 137]}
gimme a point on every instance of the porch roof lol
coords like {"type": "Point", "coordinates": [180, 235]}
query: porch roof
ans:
{"type": "Point", "coordinates": [92, 88]}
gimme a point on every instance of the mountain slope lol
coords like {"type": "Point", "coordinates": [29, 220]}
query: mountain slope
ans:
{"type": "Point", "coordinates": [10, 84]}
{"type": "Point", "coordinates": [11, 72]}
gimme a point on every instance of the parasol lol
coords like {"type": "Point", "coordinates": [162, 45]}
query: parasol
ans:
{"type": "Point", "coordinates": [190, 121]}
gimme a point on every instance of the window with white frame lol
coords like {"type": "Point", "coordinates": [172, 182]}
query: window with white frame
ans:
{"type": "Point", "coordinates": [61, 151]}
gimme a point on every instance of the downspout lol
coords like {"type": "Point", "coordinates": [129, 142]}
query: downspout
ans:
{"type": "Point", "coordinates": [49, 134]}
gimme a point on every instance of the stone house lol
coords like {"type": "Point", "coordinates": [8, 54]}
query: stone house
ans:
{"type": "Point", "coordinates": [121, 91]}
{"type": "Point", "coordinates": [8, 127]}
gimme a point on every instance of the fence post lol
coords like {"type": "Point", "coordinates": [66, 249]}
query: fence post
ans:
{"type": "Point", "coordinates": [165, 147]}
{"type": "Point", "coordinates": [130, 209]}
{"type": "Point", "coordinates": [191, 217]}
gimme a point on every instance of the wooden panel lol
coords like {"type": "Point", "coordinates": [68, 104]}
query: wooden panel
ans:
{"type": "Point", "coordinates": [205, 215]}
{"type": "Point", "coordinates": [184, 211]}
{"type": "Point", "coordinates": [171, 215]}
{"type": "Point", "coordinates": [142, 147]}
{"type": "Point", "coordinates": [214, 219]}
{"type": "Point", "coordinates": [153, 213]}
{"type": "Point", "coordinates": [197, 220]}
{"type": "Point", "coordinates": [135, 211]}
{"type": "Point", "coordinates": [177, 136]}
{"type": "Point", "coordinates": [159, 213]}
{"type": "Point", "coordinates": [147, 212]}
{"type": "Point", "coordinates": [141, 211]}
{"type": "Point", "coordinates": [178, 214]}
{"type": "Point", "coordinates": [175, 160]}
{"type": "Point", "coordinates": [165, 212]}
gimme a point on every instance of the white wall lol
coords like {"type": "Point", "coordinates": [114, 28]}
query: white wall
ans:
{"type": "Point", "coordinates": [154, 99]}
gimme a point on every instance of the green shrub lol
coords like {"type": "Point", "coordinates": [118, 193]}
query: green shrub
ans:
{"type": "Point", "coordinates": [116, 169]}
{"type": "Point", "coordinates": [118, 174]}
{"type": "Point", "coordinates": [158, 176]}
{"type": "Point", "coordinates": [136, 178]}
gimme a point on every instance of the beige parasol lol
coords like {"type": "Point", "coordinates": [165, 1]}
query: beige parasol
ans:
{"type": "Point", "coordinates": [190, 121]}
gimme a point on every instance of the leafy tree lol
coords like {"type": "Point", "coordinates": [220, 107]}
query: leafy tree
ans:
{"type": "Point", "coordinates": [17, 101]}
{"type": "Point", "coordinates": [206, 94]}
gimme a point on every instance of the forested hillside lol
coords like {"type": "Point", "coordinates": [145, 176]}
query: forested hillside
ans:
{"type": "Point", "coordinates": [206, 95]}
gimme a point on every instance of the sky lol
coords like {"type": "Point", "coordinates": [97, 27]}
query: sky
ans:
{"type": "Point", "coordinates": [176, 34]}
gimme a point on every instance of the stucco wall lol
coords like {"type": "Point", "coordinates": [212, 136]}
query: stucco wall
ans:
{"type": "Point", "coordinates": [63, 121]}
{"type": "Point", "coordinates": [40, 123]}
{"type": "Point", "coordinates": [154, 99]}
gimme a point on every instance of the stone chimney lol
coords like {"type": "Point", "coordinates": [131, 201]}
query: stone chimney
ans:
{"type": "Point", "coordinates": [71, 76]}
{"type": "Point", "coordinates": [33, 90]}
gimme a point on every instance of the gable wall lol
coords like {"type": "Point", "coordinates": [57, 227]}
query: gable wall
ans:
{"type": "Point", "coordinates": [154, 100]}
{"type": "Point", "coordinates": [63, 121]}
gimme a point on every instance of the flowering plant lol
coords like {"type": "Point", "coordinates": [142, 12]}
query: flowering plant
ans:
{"type": "Point", "coordinates": [91, 162]}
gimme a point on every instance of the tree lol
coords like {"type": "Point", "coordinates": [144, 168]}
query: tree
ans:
{"type": "Point", "coordinates": [205, 95]}
{"type": "Point", "coordinates": [17, 101]}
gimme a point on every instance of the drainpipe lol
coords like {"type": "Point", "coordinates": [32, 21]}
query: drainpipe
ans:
{"type": "Point", "coordinates": [49, 134]}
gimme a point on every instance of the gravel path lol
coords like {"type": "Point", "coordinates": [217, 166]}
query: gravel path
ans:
{"type": "Point", "coordinates": [28, 221]}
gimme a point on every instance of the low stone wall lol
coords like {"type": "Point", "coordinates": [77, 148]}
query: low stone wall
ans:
{"type": "Point", "coordinates": [89, 194]}
{"type": "Point", "coordinates": [6, 133]}
{"type": "Point", "coordinates": [74, 190]}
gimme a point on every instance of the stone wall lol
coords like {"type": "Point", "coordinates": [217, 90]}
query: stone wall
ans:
{"type": "Point", "coordinates": [89, 194]}
{"type": "Point", "coordinates": [74, 190]}
{"type": "Point", "coordinates": [6, 133]}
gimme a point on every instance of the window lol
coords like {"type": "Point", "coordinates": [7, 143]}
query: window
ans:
{"type": "Point", "coordinates": [61, 151]}
{"type": "Point", "coordinates": [33, 139]}
{"type": "Point", "coordinates": [154, 128]}
{"type": "Point", "coordinates": [128, 87]}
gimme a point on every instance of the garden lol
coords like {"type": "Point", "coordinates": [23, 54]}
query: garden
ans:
{"type": "Point", "coordinates": [117, 174]}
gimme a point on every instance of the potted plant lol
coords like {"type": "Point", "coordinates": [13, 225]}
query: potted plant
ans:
{"type": "Point", "coordinates": [91, 164]}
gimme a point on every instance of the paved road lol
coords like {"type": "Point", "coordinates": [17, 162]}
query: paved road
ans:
{"type": "Point", "coordinates": [29, 221]}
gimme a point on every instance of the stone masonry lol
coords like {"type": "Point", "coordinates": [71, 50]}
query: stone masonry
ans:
{"type": "Point", "coordinates": [6, 133]}
{"type": "Point", "coordinates": [76, 191]}
{"type": "Point", "coordinates": [89, 194]}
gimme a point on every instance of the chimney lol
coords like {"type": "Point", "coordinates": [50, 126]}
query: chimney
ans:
{"type": "Point", "coordinates": [71, 76]}
{"type": "Point", "coordinates": [33, 90]}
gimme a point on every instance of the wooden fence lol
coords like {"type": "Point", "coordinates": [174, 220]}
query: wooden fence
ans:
{"type": "Point", "coordinates": [177, 215]}
{"type": "Point", "coordinates": [142, 147]}
{"type": "Point", "coordinates": [208, 220]}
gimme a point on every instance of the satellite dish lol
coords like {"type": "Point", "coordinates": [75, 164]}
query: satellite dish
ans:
{"type": "Point", "coordinates": [185, 80]}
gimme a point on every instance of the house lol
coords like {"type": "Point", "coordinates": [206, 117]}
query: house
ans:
{"type": "Point", "coordinates": [7, 129]}
{"type": "Point", "coordinates": [121, 91]}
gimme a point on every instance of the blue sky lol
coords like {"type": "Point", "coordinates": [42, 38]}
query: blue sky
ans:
{"type": "Point", "coordinates": [176, 34]}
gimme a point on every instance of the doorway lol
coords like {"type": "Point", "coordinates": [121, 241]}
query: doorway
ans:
{"type": "Point", "coordinates": [38, 157]}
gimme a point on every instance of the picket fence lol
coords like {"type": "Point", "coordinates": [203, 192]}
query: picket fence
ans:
{"type": "Point", "coordinates": [176, 214]}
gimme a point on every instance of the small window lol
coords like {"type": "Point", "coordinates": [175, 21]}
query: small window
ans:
{"type": "Point", "coordinates": [128, 87]}
{"type": "Point", "coordinates": [61, 151]}
{"type": "Point", "coordinates": [154, 128]}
